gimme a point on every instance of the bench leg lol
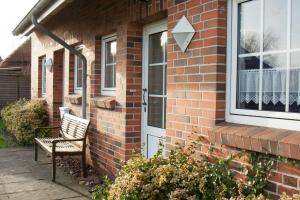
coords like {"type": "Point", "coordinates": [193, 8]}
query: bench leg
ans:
{"type": "Point", "coordinates": [35, 151]}
{"type": "Point", "coordinates": [84, 165]}
{"type": "Point", "coordinates": [53, 168]}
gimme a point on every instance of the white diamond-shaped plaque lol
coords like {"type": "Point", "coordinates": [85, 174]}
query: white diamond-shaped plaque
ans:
{"type": "Point", "coordinates": [183, 33]}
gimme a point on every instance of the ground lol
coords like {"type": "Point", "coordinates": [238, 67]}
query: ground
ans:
{"type": "Point", "coordinates": [23, 178]}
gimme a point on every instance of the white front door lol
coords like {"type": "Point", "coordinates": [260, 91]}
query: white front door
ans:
{"type": "Point", "coordinates": [154, 87]}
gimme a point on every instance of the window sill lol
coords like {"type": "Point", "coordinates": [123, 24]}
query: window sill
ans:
{"type": "Point", "coordinates": [278, 142]}
{"type": "Point", "coordinates": [104, 102]}
{"type": "Point", "coordinates": [74, 99]}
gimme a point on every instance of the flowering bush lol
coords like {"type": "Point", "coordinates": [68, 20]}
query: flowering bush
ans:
{"type": "Point", "coordinates": [22, 117]}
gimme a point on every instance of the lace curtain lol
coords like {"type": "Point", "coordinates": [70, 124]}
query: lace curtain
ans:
{"type": "Point", "coordinates": [273, 86]}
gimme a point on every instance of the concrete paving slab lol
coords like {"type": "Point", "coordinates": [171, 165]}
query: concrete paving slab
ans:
{"type": "Point", "coordinates": [23, 178]}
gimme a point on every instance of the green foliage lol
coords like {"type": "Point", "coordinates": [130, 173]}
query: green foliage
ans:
{"type": "Point", "coordinates": [22, 117]}
{"type": "Point", "coordinates": [3, 144]}
{"type": "Point", "coordinates": [294, 197]}
{"type": "Point", "coordinates": [220, 180]}
{"type": "Point", "coordinates": [261, 197]}
{"type": "Point", "coordinates": [2, 125]}
{"type": "Point", "coordinates": [181, 176]}
{"type": "Point", "coordinates": [102, 191]}
{"type": "Point", "coordinates": [260, 172]}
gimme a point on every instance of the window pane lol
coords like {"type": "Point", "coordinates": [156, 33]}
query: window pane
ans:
{"type": "Point", "coordinates": [111, 50]}
{"type": "Point", "coordinates": [274, 82]}
{"type": "Point", "coordinates": [275, 28]}
{"type": "Point", "coordinates": [110, 64]}
{"type": "Point", "coordinates": [156, 79]}
{"type": "Point", "coordinates": [157, 43]}
{"type": "Point", "coordinates": [110, 76]}
{"type": "Point", "coordinates": [79, 78]}
{"type": "Point", "coordinates": [249, 24]}
{"type": "Point", "coordinates": [79, 72]}
{"type": "Point", "coordinates": [155, 112]}
{"type": "Point", "coordinates": [294, 98]}
{"type": "Point", "coordinates": [44, 78]}
{"type": "Point", "coordinates": [295, 32]}
{"type": "Point", "coordinates": [248, 79]}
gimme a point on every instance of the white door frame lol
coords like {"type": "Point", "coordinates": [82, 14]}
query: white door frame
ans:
{"type": "Point", "coordinates": [148, 30]}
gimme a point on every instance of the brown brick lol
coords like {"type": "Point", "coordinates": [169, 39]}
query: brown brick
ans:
{"type": "Point", "coordinates": [290, 181]}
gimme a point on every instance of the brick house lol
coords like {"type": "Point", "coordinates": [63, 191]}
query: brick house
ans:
{"type": "Point", "coordinates": [231, 85]}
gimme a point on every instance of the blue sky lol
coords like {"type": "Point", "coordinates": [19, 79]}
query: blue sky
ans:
{"type": "Point", "coordinates": [11, 13]}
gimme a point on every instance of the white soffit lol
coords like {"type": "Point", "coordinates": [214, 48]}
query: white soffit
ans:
{"type": "Point", "coordinates": [183, 33]}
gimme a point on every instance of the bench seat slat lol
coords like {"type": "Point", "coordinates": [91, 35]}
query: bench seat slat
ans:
{"type": "Point", "coordinates": [46, 144]}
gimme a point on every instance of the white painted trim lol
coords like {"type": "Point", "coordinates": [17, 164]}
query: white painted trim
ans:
{"type": "Point", "coordinates": [77, 90]}
{"type": "Point", "coordinates": [149, 29]}
{"type": "Point", "coordinates": [283, 120]}
{"type": "Point", "coordinates": [44, 77]}
{"type": "Point", "coordinates": [104, 90]}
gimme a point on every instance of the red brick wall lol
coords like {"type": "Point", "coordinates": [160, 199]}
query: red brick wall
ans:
{"type": "Point", "coordinates": [195, 82]}
{"type": "Point", "coordinates": [40, 72]}
{"type": "Point", "coordinates": [71, 73]}
{"type": "Point", "coordinates": [196, 85]}
{"type": "Point", "coordinates": [196, 78]}
{"type": "Point", "coordinates": [58, 59]}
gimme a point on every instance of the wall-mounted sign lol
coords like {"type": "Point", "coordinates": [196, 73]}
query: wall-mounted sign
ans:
{"type": "Point", "coordinates": [49, 64]}
{"type": "Point", "coordinates": [183, 33]}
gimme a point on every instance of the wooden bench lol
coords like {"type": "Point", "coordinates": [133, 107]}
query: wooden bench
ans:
{"type": "Point", "coordinates": [71, 141]}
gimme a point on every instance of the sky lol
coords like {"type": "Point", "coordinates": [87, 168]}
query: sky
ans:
{"type": "Point", "coordinates": [11, 13]}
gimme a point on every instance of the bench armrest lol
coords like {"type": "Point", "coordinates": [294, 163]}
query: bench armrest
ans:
{"type": "Point", "coordinates": [67, 140]}
{"type": "Point", "coordinates": [54, 142]}
{"type": "Point", "coordinates": [44, 128]}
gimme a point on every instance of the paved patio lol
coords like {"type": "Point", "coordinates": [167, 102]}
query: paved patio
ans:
{"type": "Point", "coordinates": [23, 178]}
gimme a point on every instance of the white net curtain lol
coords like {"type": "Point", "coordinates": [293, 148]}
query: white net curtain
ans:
{"type": "Point", "coordinates": [273, 86]}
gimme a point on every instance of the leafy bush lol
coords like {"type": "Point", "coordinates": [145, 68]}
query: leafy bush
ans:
{"type": "Point", "coordinates": [294, 197]}
{"type": "Point", "coordinates": [22, 117]}
{"type": "Point", "coordinates": [178, 176]}
{"type": "Point", "coordinates": [181, 176]}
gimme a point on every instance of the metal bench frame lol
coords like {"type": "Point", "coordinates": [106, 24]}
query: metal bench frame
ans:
{"type": "Point", "coordinates": [52, 145]}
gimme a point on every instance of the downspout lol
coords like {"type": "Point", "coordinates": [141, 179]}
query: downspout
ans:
{"type": "Point", "coordinates": [72, 50]}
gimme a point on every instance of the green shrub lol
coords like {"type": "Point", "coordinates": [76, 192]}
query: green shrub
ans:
{"type": "Point", "coordinates": [179, 176]}
{"type": "Point", "coordinates": [22, 117]}
{"type": "Point", "coordinates": [294, 197]}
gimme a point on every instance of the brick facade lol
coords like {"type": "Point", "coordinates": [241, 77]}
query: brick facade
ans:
{"type": "Point", "coordinates": [195, 79]}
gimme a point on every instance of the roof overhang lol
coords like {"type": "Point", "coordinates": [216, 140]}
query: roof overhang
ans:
{"type": "Point", "coordinates": [43, 10]}
{"type": "Point", "coordinates": [20, 55]}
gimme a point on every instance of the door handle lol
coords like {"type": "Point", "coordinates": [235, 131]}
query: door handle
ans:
{"type": "Point", "coordinates": [144, 99]}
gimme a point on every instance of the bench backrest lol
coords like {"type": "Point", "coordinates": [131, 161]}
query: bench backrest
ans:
{"type": "Point", "coordinates": [73, 127]}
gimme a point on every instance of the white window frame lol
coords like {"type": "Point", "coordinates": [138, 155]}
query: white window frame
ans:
{"type": "Point", "coordinates": [44, 77]}
{"type": "Point", "coordinates": [77, 90]}
{"type": "Point", "coordinates": [104, 90]}
{"type": "Point", "coordinates": [271, 119]}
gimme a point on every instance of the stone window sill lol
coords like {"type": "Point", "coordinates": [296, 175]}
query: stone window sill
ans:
{"type": "Point", "coordinates": [74, 99]}
{"type": "Point", "coordinates": [278, 142]}
{"type": "Point", "coordinates": [104, 102]}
